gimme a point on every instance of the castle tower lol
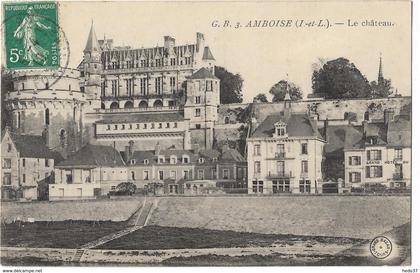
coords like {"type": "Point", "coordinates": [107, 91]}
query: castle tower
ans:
{"type": "Point", "coordinates": [201, 106]}
{"type": "Point", "coordinates": [92, 69]}
{"type": "Point", "coordinates": [48, 103]}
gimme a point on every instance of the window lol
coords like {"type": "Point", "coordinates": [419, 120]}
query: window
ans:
{"type": "Point", "coordinates": [257, 167]}
{"type": "Point", "coordinates": [160, 125]}
{"type": "Point", "coordinates": [257, 149]}
{"type": "Point", "coordinates": [173, 61]}
{"type": "Point", "coordinates": [7, 179]}
{"type": "Point", "coordinates": [47, 116]}
{"type": "Point", "coordinates": [129, 83]}
{"type": "Point", "coordinates": [280, 151]}
{"type": "Point", "coordinates": [47, 162]}
{"type": "Point", "coordinates": [355, 160]}
{"type": "Point", "coordinates": [257, 186]}
{"type": "Point", "coordinates": [355, 177]}
{"type": "Point", "coordinates": [175, 124]}
{"type": "Point", "coordinates": [227, 120]}
{"type": "Point", "coordinates": [161, 159]}
{"type": "Point", "coordinates": [398, 154]}
{"type": "Point", "coordinates": [114, 88]}
{"type": "Point", "coordinates": [185, 175]}
{"type": "Point", "coordinates": [158, 85]}
{"type": "Point", "coordinates": [143, 86]}
{"type": "Point", "coordinates": [23, 178]}
{"type": "Point", "coordinates": [23, 162]}
{"type": "Point", "coordinates": [374, 155]}
{"type": "Point", "coordinates": [209, 85]}
{"type": "Point", "coordinates": [201, 160]}
{"type": "Point", "coordinates": [167, 125]}
{"type": "Point", "coordinates": [197, 100]}
{"type": "Point", "coordinates": [69, 177]}
{"type": "Point", "coordinates": [146, 161]}
{"type": "Point", "coordinates": [201, 174]}
{"type": "Point", "coordinates": [398, 171]}
{"type": "Point", "coordinates": [198, 126]}
{"type": "Point", "coordinates": [142, 63]}
{"type": "Point", "coordinates": [9, 147]}
{"type": "Point", "coordinates": [108, 127]}
{"type": "Point", "coordinates": [304, 148]}
{"type": "Point", "coordinates": [132, 161]}
{"type": "Point", "coordinates": [172, 84]}
{"type": "Point", "coordinates": [145, 126]}
{"type": "Point", "coordinates": [145, 175]}
{"type": "Point", "coordinates": [281, 131]}
{"type": "Point", "coordinates": [187, 60]}
{"type": "Point", "coordinates": [160, 175]}
{"type": "Point", "coordinates": [173, 174]}
{"type": "Point", "coordinates": [304, 167]}
{"type": "Point", "coordinates": [115, 127]}
{"type": "Point", "coordinates": [373, 171]}
{"type": "Point", "coordinates": [281, 185]}
{"type": "Point", "coordinates": [18, 120]}
{"type": "Point", "coordinates": [197, 112]}
{"type": "Point", "coordinates": [304, 186]}
{"type": "Point", "coordinates": [213, 173]}
{"type": "Point", "coordinates": [225, 174]}
{"type": "Point", "coordinates": [185, 159]}
{"type": "Point", "coordinates": [7, 163]}
{"type": "Point", "coordinates": [280, 168]}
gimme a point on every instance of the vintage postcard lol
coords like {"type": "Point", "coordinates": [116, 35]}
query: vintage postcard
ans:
{"type": "Point", "coordinates": [206, 133]}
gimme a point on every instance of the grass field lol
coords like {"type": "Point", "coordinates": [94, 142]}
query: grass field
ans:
{"type": "Point", "coordinates": [88, 210]}
{"type": "Point", "coordinates": [337, 216]}
{"type": "Point", "coordinates": [156, 237]}
{"type": "Point", "coordinates": [65, 234]}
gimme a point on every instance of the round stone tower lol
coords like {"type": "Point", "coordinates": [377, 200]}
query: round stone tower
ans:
{"type": "Point", "coordinates": [48, 103]}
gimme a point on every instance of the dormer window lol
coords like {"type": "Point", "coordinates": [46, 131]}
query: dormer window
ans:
{"type": "Point", "coordinates": [146, 161]}
{"type": "Point", "coordinates": [173, 159]}
{"type": "Point", "coordinates": [185, 159]}
{"type": "Point", "coordinates": [161, 159]}
{"type": "Point", "coordinates": [132, 161]}
{"type": "Point", "coordinates": [201, 160]}
{"type": "Point", "coordinates": [280, 129]}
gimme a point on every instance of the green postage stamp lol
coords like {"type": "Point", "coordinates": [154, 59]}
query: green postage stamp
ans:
{"type": "Point", "coordinates": [31, 36]}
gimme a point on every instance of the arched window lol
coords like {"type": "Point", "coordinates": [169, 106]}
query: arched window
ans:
{"type": "Point", "coordinates": [143, 104]}
{"type": "Point", "coordinates": [366, 115]}
{"type": "Point", "coordinates": [128, 104]}
{"type": "Point", "coordinates": [74, 113]}
{"type": "Point", "coordinates": [226, 120]}
{"type": "Point", "coordinates": [47, 116]}
{"type": "Point", "coordinates": [102, 105]}
{"type": "Point", "coordinates": [63, 137]}
{"type": "Point", "coordinates": [133, 175]}
{"type": "Point", "coordinates": [114, 105]}
{"type": "Point", "coordinates": [158, 104]}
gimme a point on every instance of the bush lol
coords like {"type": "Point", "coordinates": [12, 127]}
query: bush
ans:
{"type": "Point", "coordinates": [125, 188]}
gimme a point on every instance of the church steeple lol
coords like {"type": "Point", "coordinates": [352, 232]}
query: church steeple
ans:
{"type": "Point", "coordinates": [92, 43]}
{"type": "Point", "coordinates": [380, 74]}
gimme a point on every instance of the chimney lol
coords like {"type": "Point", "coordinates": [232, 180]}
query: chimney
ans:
{"type": "Point", "coordinates": [200, 41]}
{"type": "Point", "coordinates": [326, 129]}
{"type": "Point", "coordinates": [130, 148]}
{"type": "Point", "coordinates": [168, 42]}
{"type": "Point", "coordinates": [127, 154]}
{"type": "Point", "coordinates": [157, 149]}
{"type": "Point", "coordinates": [46, 137]}
{"type": "Point", "coordinates": [196, 148]}
{"type": "Point", "coordinates": [388, 115]}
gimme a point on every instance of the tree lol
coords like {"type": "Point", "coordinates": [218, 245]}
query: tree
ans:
{"type": "Point", "coordinates": [230, 86]}
{"type": "Point", "coordinates": [382, 89]}
{"type": "Point", "coordinates": [126, 188]}
{"type": "Point", "coordinates": [261, 97]}
{"type": "Point", "coordinates": [279, 91]}
{"type": "Point", "coordinates": [340, 79]}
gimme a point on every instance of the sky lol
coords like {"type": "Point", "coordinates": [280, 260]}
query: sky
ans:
{"type": "Point", "coordinates": [262, 56]}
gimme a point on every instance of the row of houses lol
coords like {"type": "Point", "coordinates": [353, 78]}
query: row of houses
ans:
{"type": "Point", "coordinates": [287, 152]}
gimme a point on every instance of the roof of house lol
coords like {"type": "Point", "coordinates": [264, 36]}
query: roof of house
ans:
{"type": "Point", "coordinates": [141, 117]}
{"type": "Point", "coordinates": [378, 130]}
{"type": "Point", "coordinates": [93, 156]}
{"type": "Point", "coordinates": [92, 42]}
{"type": "Point", "coordinates": [232, 155]}
{"type": "Point", "coordinates": [33, 146]}
{"type": "Point", "coordinates": [399, 133]}
{"type": "Point", "coordinates": [203, 73]}
{"type": "Point", "coordinates": [298, 125]}
{"type": "Point", "coordinates": [207, 54]}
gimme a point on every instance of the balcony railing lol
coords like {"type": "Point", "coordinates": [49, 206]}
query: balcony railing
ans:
{"type": "Point", "coordinates": [281, 155]}
{"type": "Point", "coordinates": [137, 109]}
{"type": "Point", "coordinates": [279, 175]}
{"type": "Point", "coordinates": [176, 95]}
{"type": "Point", "coordinates": [397, 176]}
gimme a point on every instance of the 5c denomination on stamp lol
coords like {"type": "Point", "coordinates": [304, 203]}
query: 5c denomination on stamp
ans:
{"type": "Point", "coordinates": [31, 35]}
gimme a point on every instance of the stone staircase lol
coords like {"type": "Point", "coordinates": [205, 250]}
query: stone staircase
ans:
{"type": "Point", "coordinates": [78, 255]}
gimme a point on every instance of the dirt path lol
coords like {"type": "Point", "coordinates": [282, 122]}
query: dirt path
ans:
{"type": "Point", "coordinates": [137, 221]}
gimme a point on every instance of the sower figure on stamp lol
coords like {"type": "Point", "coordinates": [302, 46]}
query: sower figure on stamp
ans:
{"type": "Point", "coordinates": [26, 30]}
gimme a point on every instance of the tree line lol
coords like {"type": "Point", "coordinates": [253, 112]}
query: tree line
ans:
{"type": "Point", "coordinates": [334, 79]}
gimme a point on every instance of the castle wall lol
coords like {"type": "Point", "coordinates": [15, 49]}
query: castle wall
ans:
{"type": "Point", "coordinates": [142, 144]}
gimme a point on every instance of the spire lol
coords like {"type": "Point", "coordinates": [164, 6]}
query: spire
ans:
{"type": "Point", "coordinates": [380, 74]}
{"type": "Point", "coordinates": [92, 42]}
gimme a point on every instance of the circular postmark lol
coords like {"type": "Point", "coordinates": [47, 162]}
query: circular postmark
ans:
{"type": "Point", "coordinates": [380, 247]}
{"type": "Point", "coordinates": [33, 56]}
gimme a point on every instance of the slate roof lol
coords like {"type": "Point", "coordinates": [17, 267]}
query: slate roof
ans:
{"type": "Point", "coordinates": [298, 125]}
{"type": "Point", "coordinates": [232, 155]}
{"type": "Point", "coordinates": [399, 133]}
{"type": "Point", "coordinates": [92, 42]}
{"type": "Point", "coordinates": [141, 117]}
{"type": "Point", "coordinates": [378, 130]}
{"type": "Point", "coordinates": [207, 54]}
{"type": "Point", "coordinates": [340, 137]}
{"type": "Point", "coordinates": [34, 146]}
{"type": "Point", "coordinates": [203, 73]}
{"type": "Point", "coordinates": [91, 156]}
